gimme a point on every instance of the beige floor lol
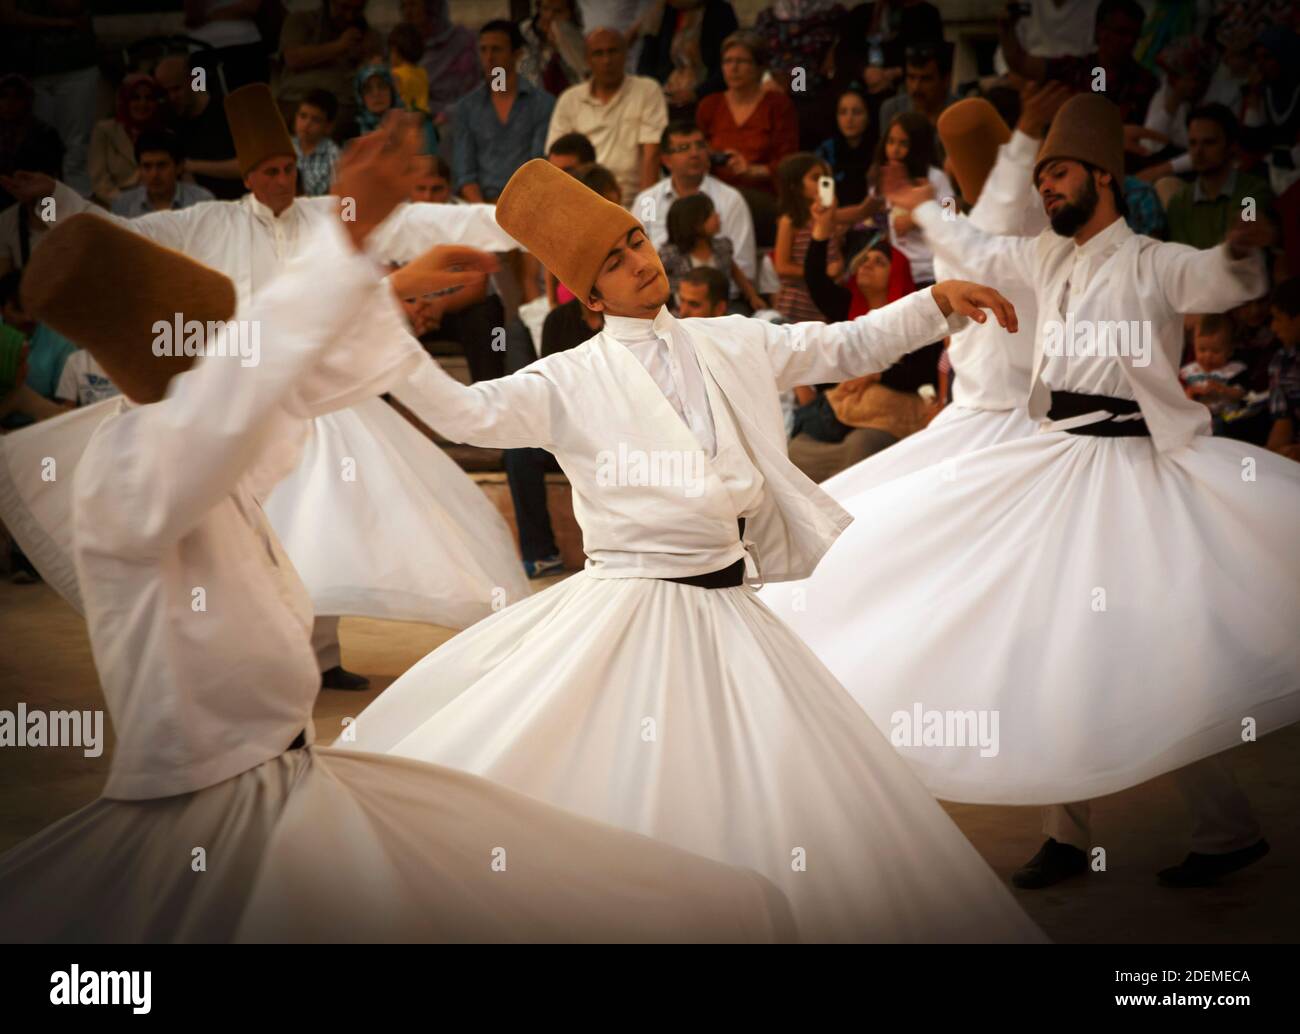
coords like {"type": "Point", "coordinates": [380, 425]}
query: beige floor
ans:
{"type": "Point", "coordinates": [45, 661]}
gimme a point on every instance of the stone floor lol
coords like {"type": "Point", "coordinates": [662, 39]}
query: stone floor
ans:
{"type": "Point", "coordinates": [45, 661]}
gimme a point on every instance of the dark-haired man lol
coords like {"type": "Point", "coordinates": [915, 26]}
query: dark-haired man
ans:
{"type": "Point", "coordinates": [161, 160]}
{"type": "Point", "coordinates": [502, 122]}
{"type": "Point", "coordinates": [684, 152]}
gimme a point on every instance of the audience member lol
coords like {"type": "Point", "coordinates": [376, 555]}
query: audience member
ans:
{"type": "Point", "coordinates": [140, 106]}
{"type": "Point", "coordinates": [26, 142]}
{"type": "Point", "coordinates": [161, 163]}
{"type": "Point", "coordinates": [554, 56]}
{"type": "Point", "coordinates": [569, 151]}
{"type": "Point", "coordinates": [322, 49]}
{"type": "Point", "coordinates": [200, 123]}
{"type": "Point", "coordinates": [1284, 370]}
{"type": "Point", "coordinates": [799, 175]}
{"type": "Point", "coordinates": [502, 122]}
{"type": "Point", "coordinates": [909, 139]}
{"type": "Point", "coordinates": [313, 124]}
{"type": "Point", "coordinates": [449, 58]}
{"type": "Point", "coordinates": [683, 50]}
{"type": "Point", "coordinates": [695, 240]}
{"type": "Point", "coordinates": [702, 292]}
{"type": "Point", "coordinates": [684, 152]}
{"type": "Point", "coordinates": [622, 115]}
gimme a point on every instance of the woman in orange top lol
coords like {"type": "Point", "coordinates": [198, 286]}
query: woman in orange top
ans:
{"type": "Point", "coordinates": [753, 125]}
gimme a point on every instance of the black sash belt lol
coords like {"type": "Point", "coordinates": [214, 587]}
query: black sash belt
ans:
{"type": "Point", "coordinates": [728, 578]}
{"type": "Point", "coordinates": [1066, 404]}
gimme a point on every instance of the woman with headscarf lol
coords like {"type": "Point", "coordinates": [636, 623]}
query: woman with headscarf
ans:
{"type": "Point", "coordinates": [450, 54]}
{"type": "Point", "coordinates": [112, 144]}
{"type": "Point", "coordinates": [375, 92]}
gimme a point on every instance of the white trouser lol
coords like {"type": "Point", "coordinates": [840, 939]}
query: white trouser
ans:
{"type": "Point", "coordinates": [325, 641]}
{"type": "Point", "coordinates": [1222, 820]}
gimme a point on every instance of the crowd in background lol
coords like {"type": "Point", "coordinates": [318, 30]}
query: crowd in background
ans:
{"type": "Point", "coordinates": [715, 135]}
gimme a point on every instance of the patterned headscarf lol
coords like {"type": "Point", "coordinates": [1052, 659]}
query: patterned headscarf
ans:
{"type": "Point", "coordinates": [366, 119]}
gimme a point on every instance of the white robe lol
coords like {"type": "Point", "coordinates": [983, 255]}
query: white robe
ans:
{"type": "Point", "coordinates": [685, 713]}
{"type": "Point", "coordinates": [455, 561]}
{"type": "Point", "coordinates": [209, 829]}
{"type": "Point", "coordinates": [1119, 607]}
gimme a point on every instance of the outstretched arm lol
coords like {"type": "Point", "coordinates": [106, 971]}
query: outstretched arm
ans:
{"type": "Point", "coordinates": [814, 353]}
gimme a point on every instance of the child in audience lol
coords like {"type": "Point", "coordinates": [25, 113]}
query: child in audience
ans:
{"type": "Point", "coordinates": [1214, 378]}
{"type": "Point", "coordinates": [797, 178]}
{"type": "Point", "coordinates": [694, 239]}
{"type": "Point", "coordinates": [313, 142]}
{"type": "Point", "coordinates": [1284, 372]}
{"type": "Point", "coordinates": [910, 140]}
{"type": "Point", "coordinates": [404, 49]}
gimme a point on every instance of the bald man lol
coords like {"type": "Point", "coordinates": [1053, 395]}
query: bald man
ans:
{"type": "Point", "coordinates": [622, 115]}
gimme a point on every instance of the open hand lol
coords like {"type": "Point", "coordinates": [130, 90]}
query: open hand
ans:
{"type": "Point", "coordinates": [967, 299]}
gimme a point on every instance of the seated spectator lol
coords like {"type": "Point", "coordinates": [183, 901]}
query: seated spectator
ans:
{"type": "Point", "coordinates": [84, 382]}
{"type": "Point", "coordinates": [567, 326]}
{"type": "Point", "coordinates": [47, 350]}
{"type": "Point", "coordinates": [1214, 378]}
{"type": "Point", "coordinates": [749, 128]}
{"type": "Point", "coordinates": [909, 139]}
{"type": "Point", "coordinates": [836, 426]}
{"type": "Point", "coordinates": [1253, 341]}
{"type": "Point", "coordinates": [199, 120]}
{"type": "Point", "coordinates": [799, 174]}
{"type": "Point", "coordinates": [405, 48]}
{"type": "Point", "coordinates": [449, 59]}
{"type": "Point", "coordinates": [569, 151]}
{"type": "Point", "coordinates": [554, 56]}
{"type": "Point", "coordinates": [1274, 104]}
{"type": "Point", "coordinates": [1201, 212]}
{"type": "Point", "coordinates": [1187, 64]}
{"type": "Point", "coordinates": [622, 115]}
{"type": "Point", "coordinates": [695, 240]}
{"type": "Point", "coordinates": [685, 154]}
{"type": "Point", "coordinates": [322, 49]}
{"type": "Point", "coordinates": [702, 292]}
{"type": "Point", "coordinates": [501, 123]}
{"type": "Point", "coordinates": [375, 93]}
{"type": "Point", "coordinates": [927, 88]}
{"type": "Point", "coordinates": [230, 29]}
{"type": "Point", "coordinates": [797, 36]}
{"type": "Point", "coordinates": [1125, 82]}
{"type": "Point", "coordinates": [683, 50]}
{"type": "Point", "coordinates": [26, 142]}
{"type": "Point", "coordinates": [21, 227]}
{"type": "Point", "coordinates": [849, 152]}
{"type": "Point", "coordinates": [434, 182]}
{"type": "Point", "coordinates": [161, 162]}
{"type": "Point", "coordinates": [313, 124]}
{"type": "Point", "coordinates": [112, 161]}
{"type": "Point", "coordinates": [1145, 214]}
{"type": "Point", "coordinates": [1284, 371]}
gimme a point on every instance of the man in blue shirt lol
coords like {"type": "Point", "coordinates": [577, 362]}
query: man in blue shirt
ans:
{"type": "Point", "coordinates": [502, 122]}
{"type": "Point", "coordinates": [161, 161]}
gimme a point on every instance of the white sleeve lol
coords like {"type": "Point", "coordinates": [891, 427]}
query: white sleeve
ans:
{"type": "Point", "coordinates": [1209, 280]}
{"type": "Point", "coordinates": [174, 460]}
{"type": "Point", "coordinates": [66, 390]}
{"type": "Point", "coordinates": [992, 259]}
{"type": "Point", "coordinates": [415, 228]}
{"type": "Point", "coordinates": [1008, 188]}
{"type": "Point", "coordinates": [817, 353]}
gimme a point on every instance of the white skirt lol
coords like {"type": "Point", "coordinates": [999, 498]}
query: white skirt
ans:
{"type": "Point", "coordinates": [378, 520]}
{"type": "Point", "coordinates": [956, 430]}
{"type": "Point", "coordinates": [321, 846]}
{"type": "Point", "coordinates": [1103, 612]}
{"type": "Point", "coordinates": [694, 716]}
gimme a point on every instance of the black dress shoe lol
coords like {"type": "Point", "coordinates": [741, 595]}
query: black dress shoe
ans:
{"type": "Point", "coordinates": [1053, 863]}
{"type": "Point", "coordinates": [339, 678]}
{"type": "Point", "coordinates": [1202, 870]}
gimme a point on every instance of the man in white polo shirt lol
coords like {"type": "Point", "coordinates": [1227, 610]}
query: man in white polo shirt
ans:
{"type": "Point", "coordinates": [684, 152]}
{"type": "Point", "coordinates": [622, 115]}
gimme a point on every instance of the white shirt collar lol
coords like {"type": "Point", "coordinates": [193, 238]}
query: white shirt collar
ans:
{"type": "Point", "coordinates": [263, 213]}
{"type": "Point", "coordinates": [1103, 241]}
{"type": "Point", "coordinates": [631, 329]}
